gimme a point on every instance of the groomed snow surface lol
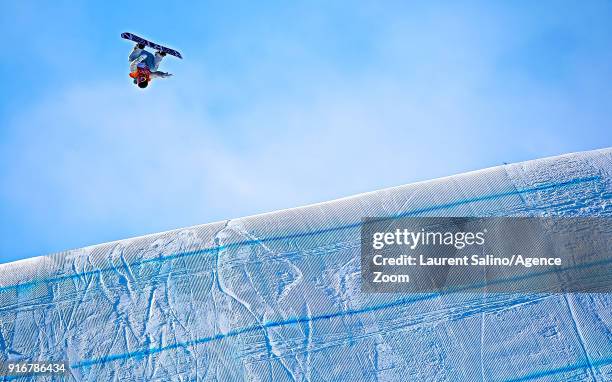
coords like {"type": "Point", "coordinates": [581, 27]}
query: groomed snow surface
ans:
{"type": "Point", "coordinates": [277, 297]}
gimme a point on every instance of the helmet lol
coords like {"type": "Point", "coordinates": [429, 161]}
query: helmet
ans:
{"type": "Point", "coordinates": [141, 77]}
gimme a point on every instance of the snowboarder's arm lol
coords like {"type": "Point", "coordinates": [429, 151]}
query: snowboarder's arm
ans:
{"type": "Point", "coordinates": [158, 74]}
{"type": "Point", "coordinates": [138, 60]}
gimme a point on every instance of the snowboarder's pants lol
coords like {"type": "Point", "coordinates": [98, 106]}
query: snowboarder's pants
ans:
{"type": "Point", "coordinates": [152, 61]}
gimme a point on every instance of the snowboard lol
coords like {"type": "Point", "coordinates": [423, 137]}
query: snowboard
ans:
{"type": "Point", "coordinates": [145, 42]}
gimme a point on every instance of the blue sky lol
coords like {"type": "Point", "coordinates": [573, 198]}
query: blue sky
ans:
{"type": "Point", "coordinates": [277, 105]}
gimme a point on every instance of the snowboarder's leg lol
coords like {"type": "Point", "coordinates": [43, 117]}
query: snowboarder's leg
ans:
{"type": "Point", "coordinates": [159, 56]}
{"type": "Point", "coordinates": [136, 52]}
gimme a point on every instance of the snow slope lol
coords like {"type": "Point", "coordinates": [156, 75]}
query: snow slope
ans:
{"type": "Point", "coordinates": [277, 296]}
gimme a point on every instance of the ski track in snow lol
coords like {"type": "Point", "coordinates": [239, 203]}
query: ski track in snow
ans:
{"type": "Point", "coordinates": [277, 296]}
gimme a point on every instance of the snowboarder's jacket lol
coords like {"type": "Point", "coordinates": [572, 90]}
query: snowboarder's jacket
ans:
{"type": "Point", "coordinates": [141, 60]}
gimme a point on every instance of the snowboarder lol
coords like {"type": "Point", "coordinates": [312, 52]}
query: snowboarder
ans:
{"type": "Point", "coordinates": [143, 65]}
